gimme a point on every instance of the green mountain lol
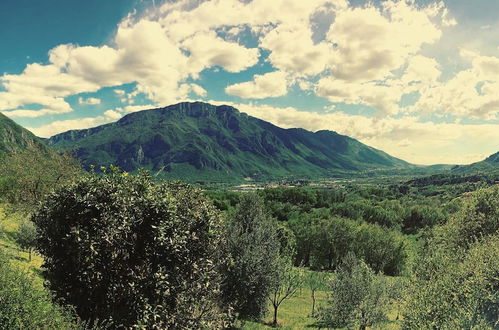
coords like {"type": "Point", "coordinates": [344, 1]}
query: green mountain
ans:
{"type": "Point", "coordinates": [489, 164]}
{"type": "Point", "coordinates": [14, 137]}
{"type": "Point", "coordinates": [200, 141]}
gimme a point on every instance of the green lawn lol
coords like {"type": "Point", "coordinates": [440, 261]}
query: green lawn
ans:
{"type": "Point", "coordinates": [294, 313]}
{"type": "Point", "coordinates": [9, 223]}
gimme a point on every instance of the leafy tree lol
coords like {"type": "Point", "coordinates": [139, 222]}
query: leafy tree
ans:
{"type": "Point", "coordinates": [332, 241]}
{"type": "Point", "coordinates": [124, 248]}
{"type": "Point", "coordinates": [27, 176]}
{"type": "Point", "coordinates": [253, 247]}
{"type": "Point", "coordinates": [456, 280]}
{"type": "Point", "coordinates": [26, 236]}
{"type": "Point", "coordinates": [315, 281]}
{"type": "Point", "coordinates": [381, 248]}
{"type": "Point", "coordinates": [357, 296]}
{"type": "Point", "coordinates": [286, 283]}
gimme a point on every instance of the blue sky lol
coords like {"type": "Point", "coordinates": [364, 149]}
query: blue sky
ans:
{"type": "Point", "coordinates": [417, 79]}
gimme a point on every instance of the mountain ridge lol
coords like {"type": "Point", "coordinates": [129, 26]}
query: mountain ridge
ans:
{"type": "Point", "coordinates": [200, 140]}
{"type": "Point", "coordinates": [14, 138]}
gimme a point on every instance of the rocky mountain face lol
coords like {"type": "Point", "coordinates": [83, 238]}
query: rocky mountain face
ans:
{"type": "Point", "coordinates": [14, 137]}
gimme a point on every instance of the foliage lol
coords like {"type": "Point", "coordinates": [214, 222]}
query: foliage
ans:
{"type": "Point", "coordinates": [26, 236]}
{"type": "Point", "coordinates": [27, 176]}
{"type": "Point", "coordinates": [323, 240]}
{"type": "Point", "coordinates": [23, 305]}
{"type": "Point", "coordinates": [315, 281]}
{"type": "Point", "coordinates": [456, 282]}
{"type": "Point", "coordinates": [253, 247]}
{"type": "Point", "coordinates": [124, 248]}
{"type": "Point", "coordinates": [357, 296]}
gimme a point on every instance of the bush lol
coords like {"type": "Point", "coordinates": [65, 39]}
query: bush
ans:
{"type": "Point", "coordinates": [127, 249]}
{"type": "Point", "coordinates": [23, 305]}
{"type": "Point", "coordinates": [357, 296]}
{"type": "Point", "coordinates": [456, 284]}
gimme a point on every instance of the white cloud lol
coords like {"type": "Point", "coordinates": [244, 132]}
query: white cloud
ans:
{"type": "Point", "coordinates": [272, 84]}
{"type": "Point", "coordinates": [119, 92]}
{"type": "Point", "coordinates": [135, 108]}
{"type": "Point", "coordinates": [198, 90]}
{"type": "Point", "coordinates": [89, 101]}
{"type": "Point", "coordinates": [208, 50]}
{"type": "Point", "coordinates": [406, 138]}
{"type": "Point", "coordinates": [60, 126]}
{"type": "Point", "coordinates": [112, 115]}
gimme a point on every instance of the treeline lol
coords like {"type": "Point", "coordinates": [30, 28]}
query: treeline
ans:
{"type": "Point", "coordinates": [327, 224]}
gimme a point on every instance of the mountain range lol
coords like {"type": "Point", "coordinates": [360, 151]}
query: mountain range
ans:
{"type": "Point", "coordinates": [199, 141]}
{"type": "Point", "coordinates": [202, 141]}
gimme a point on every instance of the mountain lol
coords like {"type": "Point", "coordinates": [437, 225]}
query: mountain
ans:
{"type": "Point", "coordinates": [14, 137]}
{"type": "Point", "coordinates": [489, 164]}
{"type": "Point", "coordinates": [197, 141]}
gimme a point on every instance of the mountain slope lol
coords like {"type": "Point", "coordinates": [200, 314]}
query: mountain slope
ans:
{"type": "Point", "coordinates": [199, 141]}
{"type": "Point", "coordinates": [14, 137]}
{"type": "Point", "coordinates": [489, 164]}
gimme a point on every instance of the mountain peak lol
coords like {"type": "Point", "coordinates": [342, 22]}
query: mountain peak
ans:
{"type": "Point", "coordinates": [197, 140]}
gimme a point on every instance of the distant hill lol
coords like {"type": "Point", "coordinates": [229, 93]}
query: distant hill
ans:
{"type": "Point", "coordinates": [197, 141]}
{"type": "Point", "coordinates": [491, 163]}
{"type": "Point", "coordinates": [15, 138]}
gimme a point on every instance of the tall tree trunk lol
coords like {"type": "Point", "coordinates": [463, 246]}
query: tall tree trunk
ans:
{"type": "Point", "coordinates": [274, 323]}
{"type": "Point", "coordinates": [313, 302]}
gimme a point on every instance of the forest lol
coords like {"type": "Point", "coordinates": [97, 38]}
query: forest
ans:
{"type": "Point", "coordinates": [109, 249]}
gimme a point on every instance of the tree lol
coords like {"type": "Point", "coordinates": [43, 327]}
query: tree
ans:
{"type": "Point", "coordinates": [142, 254]}
{"type": "Point", "coordinates": [253, 248]}
{"type": "Point", "coordinates": [357, 296]}
{"type": "Point", "coordinates": [27, 176]}
{"type": "Point", "coordinates": [26, 237]}
{"type": "Point", "coordinates": [315, 281]}
{"type": "Point", "coordinates": [455, 283]}
{"type": "Point", "coordinates": [286, 283]}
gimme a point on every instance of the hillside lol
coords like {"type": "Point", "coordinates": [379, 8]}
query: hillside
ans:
{"type": "Point", "coordinates": [199, 141]}
{"type": "Point", "coordinates": [490, 164]}
{"type": "Point", "coordinates": [14, 137]}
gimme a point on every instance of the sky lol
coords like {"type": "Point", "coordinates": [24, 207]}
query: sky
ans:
{"type": "Point", "coordinates": [417, 79]}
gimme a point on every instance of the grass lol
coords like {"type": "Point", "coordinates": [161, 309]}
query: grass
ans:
{"type": "Point", "coordinates": [295, 313]}
{"type": "Point", "coordinates": [9, 224]}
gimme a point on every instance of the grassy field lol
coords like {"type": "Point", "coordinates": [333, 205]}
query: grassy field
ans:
{"type": "Point", "coordinates": [9, 223]}
{"type": "Point", "coordinates": [294, 313]}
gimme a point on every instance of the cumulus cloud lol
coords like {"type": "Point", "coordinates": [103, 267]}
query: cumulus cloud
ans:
{"type": "Point", "coordinates": [372, 55]}
{"type": "Point", "coordinates": [407, 138]}
{"type": "Point", "coordinates": [470, 93]}
{"type": "Point", "coordinates": [272, 84]}
{"type": "Point", "coordinates": [89, 101]}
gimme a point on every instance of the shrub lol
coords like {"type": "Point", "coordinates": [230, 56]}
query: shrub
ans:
{"type": "Point", "coordinates": [357, 296]}
{"type": "Point", "coordinates": [124, 248]}
{"type": "Point", "coordinates": [23, 305]}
